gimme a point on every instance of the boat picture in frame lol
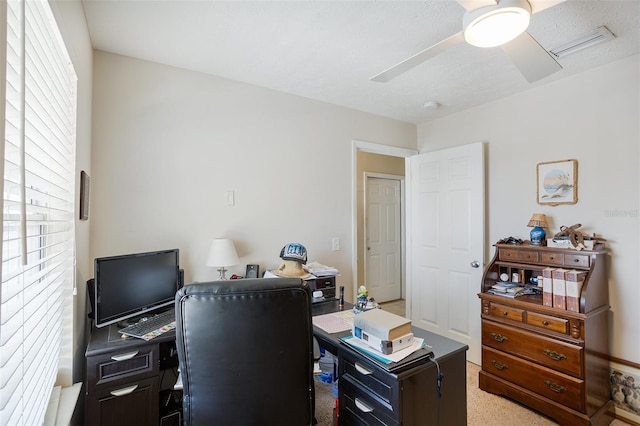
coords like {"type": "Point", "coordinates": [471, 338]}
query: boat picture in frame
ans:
{"type": "Point", "coordinates": [557, 182]}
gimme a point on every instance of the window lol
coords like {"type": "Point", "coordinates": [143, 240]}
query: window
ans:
{"type": "Point", "coordinates": [38, 108]}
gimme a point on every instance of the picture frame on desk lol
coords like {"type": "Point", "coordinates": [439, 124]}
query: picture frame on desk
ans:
{"type": "Point", "coordinates": [557, 182]}
{"type": "Point", "coordinates": [253, 271]}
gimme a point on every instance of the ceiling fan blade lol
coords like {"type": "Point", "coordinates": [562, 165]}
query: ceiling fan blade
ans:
{"type": "Point", "coordinates": [539, 5]}
{"type": "Point", "coordinates": [476, 4]}
{"type": "Point", "coordinates": [418, 58]}
{"type": "Point", "coordinates": [533, 61]}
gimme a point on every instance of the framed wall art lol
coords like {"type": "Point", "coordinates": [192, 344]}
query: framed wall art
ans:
{"type": "Point", "coordinates": [557, 182]}
{"type": "Point", "coordinates": [84, 195]}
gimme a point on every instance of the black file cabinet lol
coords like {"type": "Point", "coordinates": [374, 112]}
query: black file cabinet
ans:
{"type": "Point", "coordinates": [126, 378]}
{"type": "Point", "coordinates": [369, 395]}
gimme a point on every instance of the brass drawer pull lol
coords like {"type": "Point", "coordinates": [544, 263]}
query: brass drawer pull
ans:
{"type": "Point", "coordinates": [505, 313]}
{"type": "Point", "coordinates": [124, 391]}
{"type": "Point", "coordinates": [499, 365]}
{"type": "Point", "coordinates": [362, 406]}
{"type": "Point", "coordinates": [499, 337]}
{"type": "Point", "coordinates": [545, 322]}
{"type": "Point", "coordinates": [555, 387]}
{"type": "Point", "coordinates": [554, 355]}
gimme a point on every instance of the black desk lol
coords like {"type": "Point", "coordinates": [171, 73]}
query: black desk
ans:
{"type": "Point", "coordinates": [130, 381]}
{"type": "Point", "coordinates": [370, 395]}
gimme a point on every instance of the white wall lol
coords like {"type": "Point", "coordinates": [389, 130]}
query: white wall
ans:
{"type": "Point", "coordinates": [592, 117]}
{"type": "Point", "coordinates": [168, 144]}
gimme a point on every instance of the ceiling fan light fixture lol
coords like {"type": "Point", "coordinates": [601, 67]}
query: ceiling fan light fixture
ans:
{"type": "Point", "coordinates": [492, 26]}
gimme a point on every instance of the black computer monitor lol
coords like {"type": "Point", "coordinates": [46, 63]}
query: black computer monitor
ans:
{"type": "Point", "coordinates": [131, 285]}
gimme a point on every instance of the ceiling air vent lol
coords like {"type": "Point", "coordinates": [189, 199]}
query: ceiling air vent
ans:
{"type": "Point", "coordinates": [597, 36]}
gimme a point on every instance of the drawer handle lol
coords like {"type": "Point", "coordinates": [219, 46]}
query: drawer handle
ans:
{"type": "Point", "coordinates": [499, 365]}
{"type": "Point", "coordinates": [554, 355]}
{"type": "Point", "coordinates": [124, 357]}
{"type": "Point", "coordinates": [363, 370]}
{"type": "Point", "coordinates": [555, 387]}
{"type": "Point", "coordinates": [499, 337]}
{"type": "Point", "coordinates": [551, 258]}
{"type": "Point", "coordinates": [362, 406]}
{"type": "Point", "coordinates": [124, 391]}
{"type": "Point", "coordinates": [505, 313]}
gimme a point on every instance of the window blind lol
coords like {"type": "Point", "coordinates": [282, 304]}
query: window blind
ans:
{"type": "Point", "coordinates": [39, 113]}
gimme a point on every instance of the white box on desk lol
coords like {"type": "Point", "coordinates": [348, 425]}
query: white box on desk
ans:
{"type": "Point", "coordinates": [588, 244]}
{"type": "Point", "coordinates": [385, 346]}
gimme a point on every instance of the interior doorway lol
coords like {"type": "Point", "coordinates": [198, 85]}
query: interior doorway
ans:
{"type": "Point", "coordinates": [372, 158]}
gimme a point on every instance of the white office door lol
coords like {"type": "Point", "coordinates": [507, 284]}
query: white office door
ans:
{"type": "Point", "coordinates": [383, 239]}
{"type": "Point", "coordinates": [447, 242]}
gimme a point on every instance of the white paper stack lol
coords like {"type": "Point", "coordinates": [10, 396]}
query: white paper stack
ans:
{"type": "Point", "coordinates": [320, 270]}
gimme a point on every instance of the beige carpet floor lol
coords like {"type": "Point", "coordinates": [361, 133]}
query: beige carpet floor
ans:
{"type": "Point", "coordinates": [483, 408]}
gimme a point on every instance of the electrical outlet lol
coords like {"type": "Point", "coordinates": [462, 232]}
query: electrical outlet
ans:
{"type": "Point", "coordinates": [335, 243]}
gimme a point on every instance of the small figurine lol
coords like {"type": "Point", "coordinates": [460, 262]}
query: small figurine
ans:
{"type": "Point", "coordinates": [363, 295]}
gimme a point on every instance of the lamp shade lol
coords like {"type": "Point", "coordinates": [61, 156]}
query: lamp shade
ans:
{"type": "Point", "coordinates": [538, 219]}
{"type": "Point", "coordinates": [222, 253]}
{"type": "Point", "coordinates": [498, 24]}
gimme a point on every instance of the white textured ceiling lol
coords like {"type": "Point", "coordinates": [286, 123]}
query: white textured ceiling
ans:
{"type": "Point", "coordinates": [328, 50]}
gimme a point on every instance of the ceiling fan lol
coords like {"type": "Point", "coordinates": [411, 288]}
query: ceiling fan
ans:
{"type": "Point", "coordinates": [490, 23]}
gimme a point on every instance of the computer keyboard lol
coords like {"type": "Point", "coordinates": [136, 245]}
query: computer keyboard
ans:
{"type": "Point", "coordinates": [153, 326]}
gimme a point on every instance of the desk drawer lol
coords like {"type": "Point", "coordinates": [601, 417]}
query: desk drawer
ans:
{"type": "Point", "coordinates": [529, 256]}
{"type": "Point", "coordinates": [131, 364]}
{"type": "Point", "coordinates": [577, 260]}
{"type": "Point", "coordinates": [382, 384]}
{"type": "Point", "coordinates": [546, 322]}
{"type": "Point", "coordinates": [503, 311]}
{"type": "Point", "coordinates": [552, 258]}
{"type": "Point", "coordinates": [549, 352]}
{"type": "Point", "coordinates": [134, 403]}
{"type": "Point", "coordinates": [556, 386]}
{"type": "Point", "coordinates": [363, 407]}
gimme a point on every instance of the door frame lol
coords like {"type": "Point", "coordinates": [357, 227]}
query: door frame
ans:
{"type": "Point", "coordinates": [374, 148]}
{"type": "Point", "coordinates": [402, 219]}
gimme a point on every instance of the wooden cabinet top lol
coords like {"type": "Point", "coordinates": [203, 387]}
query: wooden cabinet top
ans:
{"type": "Point", "coordinates": [598, 248]}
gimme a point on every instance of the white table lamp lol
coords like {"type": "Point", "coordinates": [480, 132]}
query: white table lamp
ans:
{"type": "Point", "coordinates": [221, 254]}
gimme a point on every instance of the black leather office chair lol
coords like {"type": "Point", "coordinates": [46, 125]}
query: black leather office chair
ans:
{"type": "Point", "coordinates": [245, 349]}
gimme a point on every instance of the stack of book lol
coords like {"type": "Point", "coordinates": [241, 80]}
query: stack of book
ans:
{"type": "Point", "coordinates": [383, 331]}
{"type": "Point", "coordinates": [562, 288]}
{"type": "Point", "coordinates": [320, 270]}
{"type": "Point", "coordinates": [507, 289]}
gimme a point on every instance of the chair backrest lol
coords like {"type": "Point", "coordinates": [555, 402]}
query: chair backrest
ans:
{"type": "Point", "coordinates": [245, 349]}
